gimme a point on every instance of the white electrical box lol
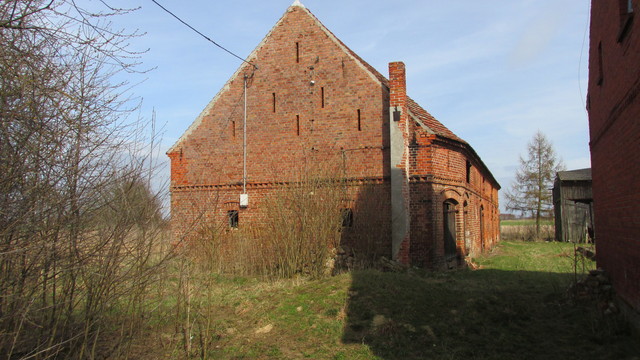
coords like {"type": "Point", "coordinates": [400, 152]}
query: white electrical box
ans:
{"type": "Point", "coordinates": [244, 200]}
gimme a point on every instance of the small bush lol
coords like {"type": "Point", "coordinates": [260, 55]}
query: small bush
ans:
{"type": "Point", "coordinates": [296, 232]}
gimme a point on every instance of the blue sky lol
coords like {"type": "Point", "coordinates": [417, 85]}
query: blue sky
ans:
{"type": "Point", "coordinates": [492, 71]}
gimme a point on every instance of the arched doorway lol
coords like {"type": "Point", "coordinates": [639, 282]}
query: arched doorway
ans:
{"type": "Point", "coordinates": [465, 231]}
{"type": "Point", "coordinates": [449, 223]}
{"type": "Point", "coordinates": [482, 228]}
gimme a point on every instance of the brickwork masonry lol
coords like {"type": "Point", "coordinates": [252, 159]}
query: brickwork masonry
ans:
{"type": "Point", "coordinates": [312, 102]}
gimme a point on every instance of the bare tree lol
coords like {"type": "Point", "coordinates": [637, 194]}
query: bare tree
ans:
{"type": "Point", "coordinates": [65, 157]}
{"type": "Point", "coordinates": [530, 193]}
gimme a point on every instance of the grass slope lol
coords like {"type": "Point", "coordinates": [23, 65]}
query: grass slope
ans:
{"type": "Point", "coordinates": [514, 307]}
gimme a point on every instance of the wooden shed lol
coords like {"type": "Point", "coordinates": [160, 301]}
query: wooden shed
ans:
{"type": "Point", "coordinates": [572, 203]}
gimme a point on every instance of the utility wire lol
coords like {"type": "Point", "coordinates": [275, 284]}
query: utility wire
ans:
{"type": "Point", "coordinates": [203, 35]}
{"type": "Point", "coordinates": [584, 39]}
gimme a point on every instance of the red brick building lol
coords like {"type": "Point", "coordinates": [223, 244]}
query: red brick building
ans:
{"type": "Point", "coordinates": [614, 125]}
{"type": "Point", "coordinates": [311, 99]}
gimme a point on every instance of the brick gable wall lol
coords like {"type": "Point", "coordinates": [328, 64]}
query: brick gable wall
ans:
{"type": "Point", "coordinates": [300, 126]}
{"type": "Point", "coordinates": [311, 103]}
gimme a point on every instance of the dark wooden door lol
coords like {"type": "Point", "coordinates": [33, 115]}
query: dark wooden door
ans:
{"type": "Point", "coordinates": [482, 228]}
{"type": "Point", "coordinates": [449, 216]}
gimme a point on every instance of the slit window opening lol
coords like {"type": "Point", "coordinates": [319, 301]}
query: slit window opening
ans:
{"type": "Point", "coordinates": [274, 101]}
{"type": "Point", "coordinates": [297, 52]}
{"type": "Point", "coordinates": [359, 121]}
{"type": "Point", "coordinates": [347, 217]}
{"type": "Point", "coordinates": [233, 218]}
{"type": "Point", "coordinates": [600, 65]}
{"type": "Point", "coordinates": [322, 97]}
{"type": "Point", "coordinates": [298, 125]}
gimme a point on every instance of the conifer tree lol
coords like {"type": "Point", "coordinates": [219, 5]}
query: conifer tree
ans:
{"type": "Point", "coordinates": [530, 193]}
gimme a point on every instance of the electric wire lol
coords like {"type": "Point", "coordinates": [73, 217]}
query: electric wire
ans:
{"type": "Point", "coordinates": [203, 35]}
{"type": "Point", "coordinates": [584, 39]}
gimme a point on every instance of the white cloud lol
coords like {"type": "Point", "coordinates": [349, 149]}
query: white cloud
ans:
{"type": "Point", "coordinates": [540, 31]}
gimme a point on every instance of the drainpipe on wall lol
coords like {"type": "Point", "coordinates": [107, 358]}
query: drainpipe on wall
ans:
{"type": "Point", "coordinates": [244, 197]}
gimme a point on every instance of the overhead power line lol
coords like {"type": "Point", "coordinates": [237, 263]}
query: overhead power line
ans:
{"type": "Point", "coordinates": [203, 35]}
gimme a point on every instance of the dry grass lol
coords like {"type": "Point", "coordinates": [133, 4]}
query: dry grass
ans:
{"type": "Point", "coordinates": [527, 233]}
{"type": "Point", "coordinates": [296, 234]}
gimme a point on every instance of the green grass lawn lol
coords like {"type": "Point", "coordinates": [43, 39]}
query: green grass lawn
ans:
{"type": "Point", "coordinates": [513, 307]}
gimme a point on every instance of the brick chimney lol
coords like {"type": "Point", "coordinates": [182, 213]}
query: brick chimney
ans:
{"type": "Point", "coordinates": [397, 87]}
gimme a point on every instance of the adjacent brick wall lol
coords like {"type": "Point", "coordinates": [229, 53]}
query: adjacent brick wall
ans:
{"type": "Point", "coordinates": [614, 126]}
{"type": "Point", "coordinates": [445, 180]}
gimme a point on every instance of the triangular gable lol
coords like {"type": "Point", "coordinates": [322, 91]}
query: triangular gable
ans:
{"type": "Point", "coordinates": [414, 109]}
{"type": "Point", "coordinates": [375, 75]}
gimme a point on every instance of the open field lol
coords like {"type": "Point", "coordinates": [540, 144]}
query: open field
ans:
{"type": "Point", "coordinates": [525, 230]}
{"type": "Point", "coordinates": [514, 307]}
{"type": "Point", "coordinates": [525, 222]}
{"type": "Point", "coordinates": [526, 233]}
